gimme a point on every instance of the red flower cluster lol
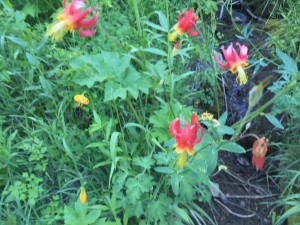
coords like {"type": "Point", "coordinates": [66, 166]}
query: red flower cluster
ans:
{"type": "Point", "coordinates": [73, 18]}
{"type": "Point", "coordinates": [236, 62]}
{"type": "Point", "coordinates": [186, 138]}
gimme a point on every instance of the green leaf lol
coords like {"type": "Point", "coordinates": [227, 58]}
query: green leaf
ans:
{"type": "Point", "coordinates": [184, 75]}
{"type": "Point", "coordinates": [223, 118]}
{"type": "Point", "coordinates": [155, 26]}
{"type": "Point", "coordinates": [163, 20]}
{"type": "Point", "coordinates": [144, 162]}
{"type": "Point", "coordinates": [175, 180]}
{"type": "Point", "coordinates": [232, 147]}
{"type": "Point", "coordinates": [129, 82]}
{"type": "Point", "coordinates": [31, 59]}
{"type": "Point", "coordinates": [17, 41]}
{"type": "Point", "coordinates": [155, 51]}
{"type": "Point", "coordinates": [223, 129]}
{"type": "Point", "coordinates": [90, 69]}
{"type": "Point", "coordinates": [112, 146]}
{"type": "Point", "coordinates": [137, 186]}
{"type": "Point", "coordinates": [113, 91]}
{"type": "Point", "coordinates": [92, 216]}
{"type": "Point", "coordinates": [273, 120]}
{"type": "Point", "coordinates": [183, 214]}
{"type": "Point", "coordinates": [157, 209]}
{"type": "Point", "coordinates": [164, 170]}
{"type": "Point", "coordinates": [290, 66]}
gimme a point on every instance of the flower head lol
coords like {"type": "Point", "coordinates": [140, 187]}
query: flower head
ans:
{"type": "Point", "coordinates": [207, 116]}
{"type": "Point", "coordinates": [186, 22]}
{"type": "Point", "coordinates": [83, 196]}
{"type": "Point", "coordinates": [186, 138]}
{"type": "Point", "coordinates": [73, 18]}
{"type": "Point", "coordinates": [236, 62]}
{"type": "Point", "coordinates": [260, 147]}
{"type": "Point", "coordinates": [81, 100]}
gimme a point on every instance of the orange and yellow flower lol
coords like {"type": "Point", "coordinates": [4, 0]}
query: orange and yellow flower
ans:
{"type": "Point", "coordinates": [73, 18]}
{"type": "Point", "coordinates": [236, 62]}
{"type": "Point", "coordinates": [83, 196]}
{"type": "Point", "coordinates": [186, 22]}
{"type": "Point", "coordinates": [186, 138]}
{"type": "Point", "coordinates": [260, 147]}
{"type": "Point", "coordinates": [81, 100]}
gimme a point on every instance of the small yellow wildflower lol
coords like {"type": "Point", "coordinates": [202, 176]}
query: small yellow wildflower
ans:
{"type": "Point", "coordinates": [207, 116]}
{"type": "Point", "coordinates": [82, 196]}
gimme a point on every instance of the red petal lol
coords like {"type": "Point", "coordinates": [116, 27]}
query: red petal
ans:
{"type": "Point", "coordinates": [86, 33]}
{"type": "Point", "coordinates": [258, 162]}
{"type": "Point", "coordinates": [175, 128]}
{"type": "Point", "coordinates": [201, 135]}
{"type": "Point", "coordinates": [78, 17]}
{"type": "Point", "coordinates": [243, 51]}
{"type": "Point", "coordinates": [223, 65]}
{"type": "Point", "coordinates": [88, 23]}
{"type": "Point", "coordinates": [193, 33]}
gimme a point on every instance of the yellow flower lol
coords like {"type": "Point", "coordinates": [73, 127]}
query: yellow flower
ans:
{"type": "Point", "coordinates": [82, 196]}
{"type": "Point", "coordinates": [82, 100]}
{"type": "Point", "coordinates": [207, 116]}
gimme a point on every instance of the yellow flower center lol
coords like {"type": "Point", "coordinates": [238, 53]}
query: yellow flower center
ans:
{"type": "Point", "coordinates": [242, 76]}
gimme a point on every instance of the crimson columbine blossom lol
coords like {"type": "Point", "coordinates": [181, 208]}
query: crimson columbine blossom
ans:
{"type": "Point", "coordinates": [236, 62]}
{"type": "Point", "coordinates": [186, 22]}
{"type": "Point", "coordinates": [260, 147]}
{"type": "Point", "coordinates": [186, 138]}
{"type": "Point", "coordinates": [73, 18]}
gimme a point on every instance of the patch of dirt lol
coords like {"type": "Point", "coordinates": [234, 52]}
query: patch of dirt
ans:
{"type": "Point", "coordinates": [246, 194]}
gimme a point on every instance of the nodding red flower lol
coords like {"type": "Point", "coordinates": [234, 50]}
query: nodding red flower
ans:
{"type": "Point", "coordinates": [236, 62]}
{"type": "Point", "coordinates": [73, 18]}
{"type": "Point", "coordinates": [186, 22]}
{"type": "Point", "coordinates": [260, 147]}
{"type": "Point", "coordinates": [186, 138]}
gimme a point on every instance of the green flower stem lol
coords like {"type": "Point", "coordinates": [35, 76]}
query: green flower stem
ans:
{"type": "Point", "coordinates": [170, 59]}
{"type": "Point", "coordinates": [133, 110]}
{"type": "Point", "coordinates": [212, 61]}
{"type": "Point", "coordinates": [242, 124]}
{"type": "Point", "coordinates": [254, 114]}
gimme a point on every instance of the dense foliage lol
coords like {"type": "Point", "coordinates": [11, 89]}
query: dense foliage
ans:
{"type": "Point", "coordinates": [108, 122]}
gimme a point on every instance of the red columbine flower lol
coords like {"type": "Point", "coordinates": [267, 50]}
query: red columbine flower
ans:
{"type": "Point", "coordinates": [186, 138]}
{"type": "Point", "coordinates": [73, 18]}
{"type": "Point", "coordinates": [186, 22]}
{"type": "Point", "coordinates": [236, 62]}
{"type": "Point", "coordinates": [260, 147]}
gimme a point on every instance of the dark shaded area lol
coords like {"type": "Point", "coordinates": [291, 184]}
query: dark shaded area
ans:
{"type": "Point", "coordinates": [246, 194]}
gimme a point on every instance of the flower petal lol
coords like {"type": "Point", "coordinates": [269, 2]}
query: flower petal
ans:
{"type": "Point", "coordinates": [86, 33]}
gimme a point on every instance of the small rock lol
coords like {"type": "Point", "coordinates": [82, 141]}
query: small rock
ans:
{"type": "Point", "coordinates": [243, 161]}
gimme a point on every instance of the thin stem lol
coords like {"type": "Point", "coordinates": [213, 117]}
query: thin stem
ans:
{"type": "Point", "coordinates": [134, 111]}
{"type": "Point", "coordinates": [212, 61]}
